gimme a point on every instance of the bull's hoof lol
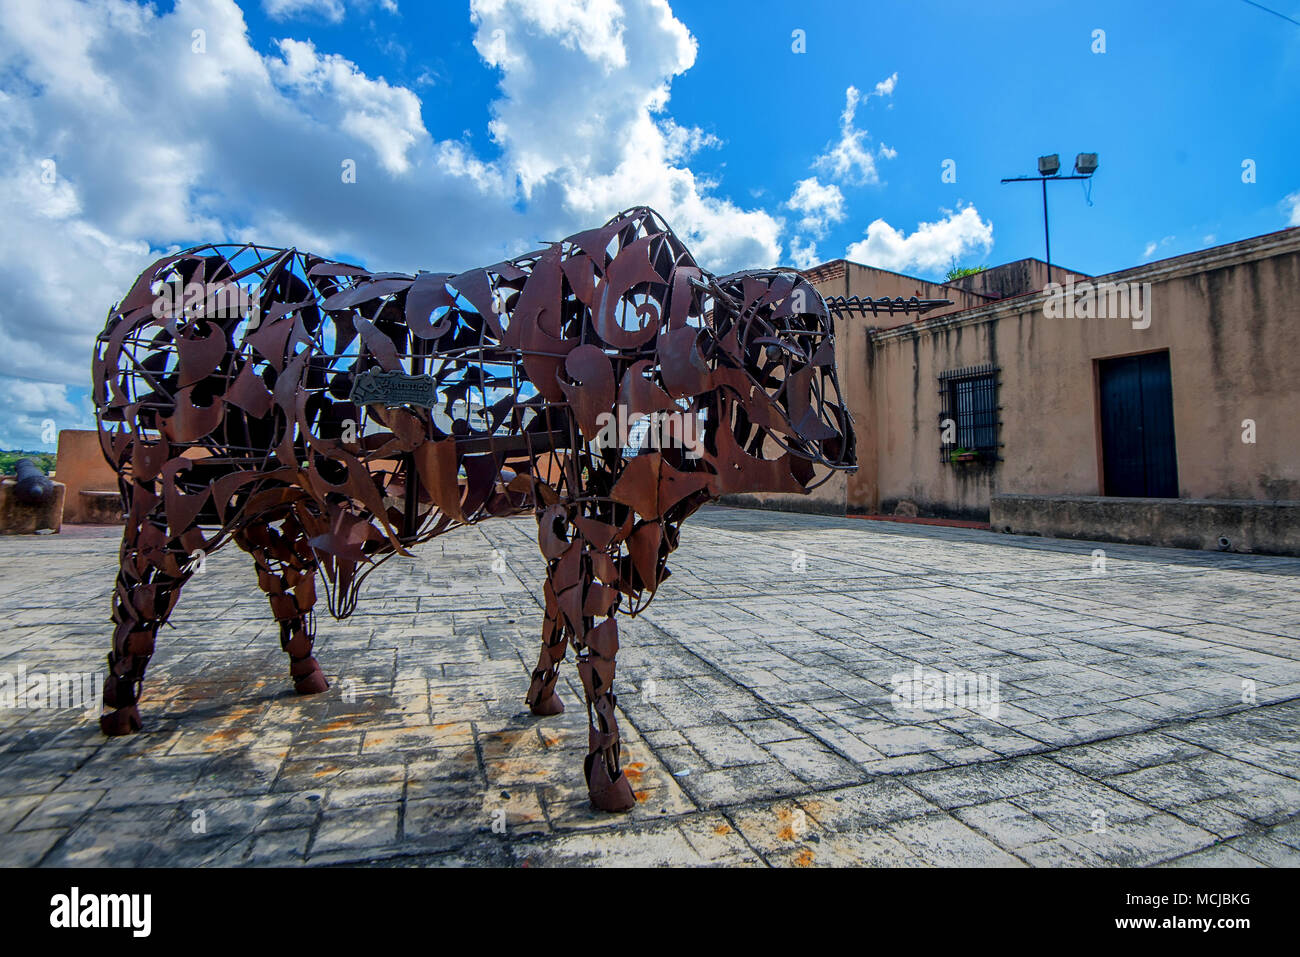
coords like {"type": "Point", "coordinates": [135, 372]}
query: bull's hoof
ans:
{"type": "Point", "coordinates": [616, 796]}
{"type": "Point", "coordinates": [120, 722]}
{"type": "Point", "coordinates": [547, 706]}
{"type": "Point", "coordinates": [313, 683]}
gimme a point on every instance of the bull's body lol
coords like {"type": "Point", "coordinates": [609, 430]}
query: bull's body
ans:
{"type": "Point", "coordinates": [325, 418]}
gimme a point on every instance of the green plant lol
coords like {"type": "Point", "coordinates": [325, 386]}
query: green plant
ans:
{"type": "Point", "coordinates": [8, 459]}
{"type": "Point", "coordinates": [957, 272]}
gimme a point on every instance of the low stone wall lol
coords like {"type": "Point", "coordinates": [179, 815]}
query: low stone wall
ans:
{"type": "Point", "coordinates": [100, 508]}
{"type": "Point", "coordinates": [829, 498]}
{"type": "Point", "coordinates": [785, 503]}
{"type": "Point", "coordinates": [19, 519]}
{"type": "Point", "coordinates": [81, 467]}
{"type": "Point", "coordinates": [1270, 528]}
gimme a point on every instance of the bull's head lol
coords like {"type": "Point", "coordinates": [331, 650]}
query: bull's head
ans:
{"type": "Point", "coordinates": [780, 417]}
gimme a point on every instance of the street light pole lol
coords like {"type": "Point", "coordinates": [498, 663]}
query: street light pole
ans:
{"type": "Point", "coordinates": [1047, 233]}
{"type": "Point", "coordinates": [1086, 164]}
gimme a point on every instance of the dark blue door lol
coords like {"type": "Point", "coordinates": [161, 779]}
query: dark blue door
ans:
{"type": "Point", "coordinates": [1137, 427]}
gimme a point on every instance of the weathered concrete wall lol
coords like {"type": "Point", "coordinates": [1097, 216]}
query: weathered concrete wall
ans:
{"type": "Point", "coordinates": [965, 491]}
{"type": "Point", "coordinates": [868, 281]}
{"type": "Point", "coordinates": [1227, 317]}
{"type": "Point", "coordinates": [1240, 526]}
{"type": "Point", "coordinates": [1019, 278]}
{"type": "Point", "coordinates": [81, 467]}
{"type": "Point", "coordinates": [827, 499]}
{"type": "Point", "coordinates": [17, 518]}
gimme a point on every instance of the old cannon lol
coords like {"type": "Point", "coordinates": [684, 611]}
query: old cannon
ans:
{"type": "Point", "coordinates": [31, 486]}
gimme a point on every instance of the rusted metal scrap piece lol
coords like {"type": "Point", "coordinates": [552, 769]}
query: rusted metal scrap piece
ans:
{"type": "Point", "coordinates": [324, 418]}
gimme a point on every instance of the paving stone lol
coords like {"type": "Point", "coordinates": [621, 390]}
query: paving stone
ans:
{"type": "Point", "coordinates": [60, 809]}
{"type": "Point", "coordinates": [1220, 855]}
{"type": "Point", "coordinates": [724, 747]}
{"type": "Point", "coordinates": [1261, 848]}
{"type": "Point", "coordinates": [940, 840]}
{"type": "Point", "coordinates": [757, 705]}
{"type": "Point", "coordinates": [1140, 843]}
{"type": "Point", "coordinates": [716, 841]}
{"type": "Point", "coordinates": [357, 828]}
{"type": "Point", "coordinates": [876, 802]}
{"type": "Point", "coordinates": [27, 848]}
{"type": "Point", "coordinates": [1007, 824]}
{"type": "Point", "coordinates": [979, 783]}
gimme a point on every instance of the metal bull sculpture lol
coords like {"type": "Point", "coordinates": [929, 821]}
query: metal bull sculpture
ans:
{"type": "Point", "coordinates": [324, 418]}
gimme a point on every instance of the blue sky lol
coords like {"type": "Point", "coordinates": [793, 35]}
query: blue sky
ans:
{"type": "Point", "coordinates": [480, 129]}
{"type": "Point", "coordinates": [1183, 93]}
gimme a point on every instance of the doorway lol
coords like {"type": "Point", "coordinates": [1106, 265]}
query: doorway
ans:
{"type": "Point", "coordinates": [1137, 426]}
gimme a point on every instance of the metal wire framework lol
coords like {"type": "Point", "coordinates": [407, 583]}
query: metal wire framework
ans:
{"type": "Point", "coordinates": [325, 418]}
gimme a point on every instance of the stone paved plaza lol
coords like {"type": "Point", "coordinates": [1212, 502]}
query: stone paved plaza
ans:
{"type": "Point", "coordinates": [1145, 711]}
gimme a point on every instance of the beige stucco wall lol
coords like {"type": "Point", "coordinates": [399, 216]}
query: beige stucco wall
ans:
{"type": "Point", "coordinates": [827, 499]}
{"type": "Point", "coordinates": [81, 467]}
{"type": "Point", "coordinates": [1228, 317]}
{"type": "Point", "coordinates": [1013, 279]}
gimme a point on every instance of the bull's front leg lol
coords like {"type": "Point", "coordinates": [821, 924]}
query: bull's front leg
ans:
{"type": "Point", "coordinates": [543, 700]}
{"type": "Point", "coordinates": [581, 605]}
{"type": "Point", "coordinates": [606, 783]}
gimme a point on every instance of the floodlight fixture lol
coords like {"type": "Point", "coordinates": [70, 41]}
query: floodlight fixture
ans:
{"type": "Point", "coordinates": [1049, 169]}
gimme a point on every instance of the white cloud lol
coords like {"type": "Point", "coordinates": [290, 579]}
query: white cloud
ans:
{"type": "Point", "coordinates": [331, 10]}
{"type": "Point", "coordinates": [683, 142]}
{"type": "Point", "coordinates": [157, 146]}
{"type": "Point", "coordinates": [596, 160]}
{"type": "Point", "coordinates": [1294, 201]}
{"type": "Point", "coordinates": [29, 405]}
{"type": "Point", "coordinates": [593, 28]}
{"type": "Point", "coordinates": [820, 205]}
{"type": "Point", "coordinates": [930, 249]}
{"type": "Point", "coordinates": [335, 93]}
{"type": "Point", "coordinates": [803, 257]}
{"type": "Point", "coordinates": [850, 159]}
{"type": "Point", "coordinates": [1152, 247]}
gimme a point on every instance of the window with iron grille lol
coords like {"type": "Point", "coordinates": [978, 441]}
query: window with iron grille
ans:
{"type": "Point", "coordinates": [970, 399]}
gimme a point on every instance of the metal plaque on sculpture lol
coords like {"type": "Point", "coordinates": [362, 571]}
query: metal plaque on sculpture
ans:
{"type": "Point", "coordinates": [374, 387]}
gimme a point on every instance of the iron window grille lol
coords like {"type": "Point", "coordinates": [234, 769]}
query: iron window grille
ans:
{"type": "Point", "coordinates": [969, 397]}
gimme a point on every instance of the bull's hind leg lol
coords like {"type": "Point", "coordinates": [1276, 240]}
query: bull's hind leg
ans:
{"type": "Point", "coordinates": [607, 785]}
{"type": "Point", "coordinates": [286, 571]}
{"type": "Point", "coordinates": [584, 610]}
{"type": "Point", "coordinates": [149, 581]}
{"type": "Point", "coordinates": [542, 697]}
